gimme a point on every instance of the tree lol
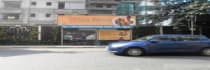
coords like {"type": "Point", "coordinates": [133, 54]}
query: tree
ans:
{"type": "Point", "coordinates": [189, 13]}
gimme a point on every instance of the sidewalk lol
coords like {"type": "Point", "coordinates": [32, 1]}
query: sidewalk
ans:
{"type": "Point", "coordinates": [51, 46]}
{"type": "Point", "coordinates": [57, 49]}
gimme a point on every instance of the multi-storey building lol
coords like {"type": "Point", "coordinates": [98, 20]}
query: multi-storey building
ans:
{"type": "Point", "coordinates": [148, 7]}
{"type": "Point", "coordinates": [38, 12]}
{"type": "Point", "coordinates": [45, 12]}
{"type": "Point", "coordinates": [11, 12]}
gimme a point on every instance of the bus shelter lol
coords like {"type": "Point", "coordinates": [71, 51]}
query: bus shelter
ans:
{"type": "Point", "coordinates": [96, 28]}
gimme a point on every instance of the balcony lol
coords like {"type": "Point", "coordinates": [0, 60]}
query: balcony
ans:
{"type": "Point", "coordinates": [15, 10]}
{"type": "Point", "coordinates": [11, 22]}
{"type": "Point", "coordinates": [49, 10]}
{"type": "Point", "coordinates": [42, 22]}
{"type": "Point", "coordinates": [12, 0]}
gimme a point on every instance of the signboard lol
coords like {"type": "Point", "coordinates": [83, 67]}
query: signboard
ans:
{"type": "Point", "coordinates": [114, 34]}
{"type": "Point", "coordinates": [97, 20]}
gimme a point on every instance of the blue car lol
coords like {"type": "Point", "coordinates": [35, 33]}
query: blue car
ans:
{"type": "Point", "coordinates": [168, 43]}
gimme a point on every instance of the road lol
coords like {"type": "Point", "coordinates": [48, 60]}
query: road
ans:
{"type": "Point", "coordinates": [94, 59]}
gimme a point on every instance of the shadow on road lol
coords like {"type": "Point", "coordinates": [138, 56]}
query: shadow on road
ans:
{"type": "Point", "coordinates": [9, 52]}
{"type": "Point", "coordinates": [177, 56]}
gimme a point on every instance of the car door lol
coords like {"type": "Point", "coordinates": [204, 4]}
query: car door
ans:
{"type": "Point", "coordinates": [190, 44]}
{"type": "Point", "coordinates": [163, 44]}
{"type": "Point", "coordinates": [180, 45]}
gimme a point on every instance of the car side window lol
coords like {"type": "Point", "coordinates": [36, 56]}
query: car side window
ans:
{"type": "Point", "coordinates": [162, 38]}
{"type": "Point", "coordinates": [177, 38]}
{"type": "Point", "coordinates": [173, 38]}
{"type": "Point", "coordinates": [191, 38]}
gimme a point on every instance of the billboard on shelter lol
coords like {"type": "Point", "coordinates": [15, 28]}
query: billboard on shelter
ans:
{"type": "Point", "coordinates": [114, 34]}
{"type": "Point", "coordinates": [97, 20]}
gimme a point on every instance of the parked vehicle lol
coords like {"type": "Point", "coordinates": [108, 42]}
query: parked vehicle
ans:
{"type": "Point", "coordinates": [168, 43]}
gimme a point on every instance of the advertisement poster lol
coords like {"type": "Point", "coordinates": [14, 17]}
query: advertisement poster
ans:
{"type": "Point", "coordinates": [97, 20]}
{"type": "Point", "coordinates": [114, 34]}
{"type": "Point", "coordinates": [79, 35]}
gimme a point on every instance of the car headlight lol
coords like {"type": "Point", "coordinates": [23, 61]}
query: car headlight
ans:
{"type": "Point", "coordinates": [118, 45]}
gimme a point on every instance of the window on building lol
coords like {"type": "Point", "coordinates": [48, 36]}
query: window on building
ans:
{"type": "Point", "coordinates": [33, 15]}
{"type": "Point", "coordinates": [11, 16]}
{"type": "Point", "coordinates": [49, 3]}
{"type": "Point", "coordinates": [117, 0]}
{"type": "Point", "coordinates": [33, 3]}
{"type": "Point", "coordinates": [125, 9]}
{"type": "Point", "coordinates": [61, 5]}
{"type": "Point", "coordinates": [109, 6]}
{"type": "Point", "coordinates": [12, 4]}
{"type": "Point", "coordinates": [99, 5]}
{"type": "Point", "coordinates": [61, 14]}
{"type": "Point", "coordinates": [48, 15]}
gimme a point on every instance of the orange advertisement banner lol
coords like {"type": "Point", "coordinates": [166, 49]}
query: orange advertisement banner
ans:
{"type": "Point", "coordinates": [97, 20]}
{"type": "Point", "coordinates": [114, 34]}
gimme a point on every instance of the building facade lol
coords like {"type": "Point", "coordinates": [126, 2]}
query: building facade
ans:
{"type": "Point", "coordinates": [105, 7]}
{"type": "Point", "coordinates": [38, 12]}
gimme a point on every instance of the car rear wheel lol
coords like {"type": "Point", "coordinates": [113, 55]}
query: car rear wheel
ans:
{"type": "Point", "coordinates": [206, 52]}
{"type": "Point", "coordinates": [134, 52]}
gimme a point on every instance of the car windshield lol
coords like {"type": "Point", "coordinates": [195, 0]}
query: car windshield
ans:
{"type": "Point", "coordinates": [144, 38]}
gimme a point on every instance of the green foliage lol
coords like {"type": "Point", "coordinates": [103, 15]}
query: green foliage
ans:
{"type": "Point", "coordinates": [2, 33]}
{"type": "Point", "coordinates": [8, 36]}
{"type": "Point", "coordinates": [56, 34]}
{"type": "Point", "coordinates": [182, 19]}
{"type": "Point", "coordinates": [33, 34]}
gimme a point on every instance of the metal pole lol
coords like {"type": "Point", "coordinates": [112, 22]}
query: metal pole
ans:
{"type": "Point", "coordinates": [62, 34]}
{"type": "Point", "coordinates": [192, 26]}
{"type": "Point", "coordinates": [161, 25]}
{"type": "Point", "coordinates": [39, 32]}
{"type": "Point", "coordinates": [61, 29]}
{"type": "Point", "coordinates": [161, 29]}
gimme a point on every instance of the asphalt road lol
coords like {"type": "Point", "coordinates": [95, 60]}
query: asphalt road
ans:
{"type": "Point", "coordinates": [94, 59]}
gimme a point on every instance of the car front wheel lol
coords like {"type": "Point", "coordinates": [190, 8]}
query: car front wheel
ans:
{"type": "Point", "coordinates": [206, 52]}
{"type": "Point", "coordinates": [134, 52]}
